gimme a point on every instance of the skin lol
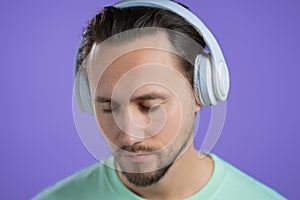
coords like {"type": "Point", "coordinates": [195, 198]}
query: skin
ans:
{"type": "Point", "coordinates": [145, 109]}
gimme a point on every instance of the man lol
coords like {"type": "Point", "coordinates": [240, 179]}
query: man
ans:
{"type": "Point", "coordinates": [137, 73]}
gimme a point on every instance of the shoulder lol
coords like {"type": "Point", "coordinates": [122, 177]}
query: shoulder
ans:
{"type": "Point", "coordinates": [239, 185]}
{"type": "Point", "coordinates": [76, 186]}
{"type": "Point", "coordinates": [97, 181]}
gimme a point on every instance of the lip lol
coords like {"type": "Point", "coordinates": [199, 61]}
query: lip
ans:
{"type": "Point", "coordinates": [139, 157]}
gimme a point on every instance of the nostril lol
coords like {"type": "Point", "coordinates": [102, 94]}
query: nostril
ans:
{"type": "Point", "coordinates": [130, 139]}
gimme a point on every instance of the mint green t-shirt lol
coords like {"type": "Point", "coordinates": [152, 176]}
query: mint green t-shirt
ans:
{"type": "Point", "coordinates": [101, 182]}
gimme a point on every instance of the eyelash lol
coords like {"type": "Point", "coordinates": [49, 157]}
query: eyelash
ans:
{"type": "Point", "coordinates": [108, 111]}
{"type": "Point", "coordinates": [142, 108]}
{"type": "Point", "coordinates": [146, 108]}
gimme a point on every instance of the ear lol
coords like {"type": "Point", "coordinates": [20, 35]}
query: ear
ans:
{"type": "Point", "coordinates": [198, 105]}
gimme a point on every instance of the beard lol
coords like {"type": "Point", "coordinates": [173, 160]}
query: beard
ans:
{"type": "Point", "coordinates": [147, 178]}
{"type": "Point", "coordinates": [142, 176]}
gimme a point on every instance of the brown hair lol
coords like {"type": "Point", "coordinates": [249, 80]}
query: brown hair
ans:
{"type": "Point", "coordinates": [111, 21]}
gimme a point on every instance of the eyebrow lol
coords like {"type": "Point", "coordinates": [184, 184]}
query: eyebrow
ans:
{"type": "Point", "coordinates": [149, 96]}
{"type": "Point", "coordinates": [100, 99]}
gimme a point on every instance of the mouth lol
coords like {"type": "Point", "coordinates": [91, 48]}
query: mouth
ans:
{"type": "Point", "coordinates": [139, 157]}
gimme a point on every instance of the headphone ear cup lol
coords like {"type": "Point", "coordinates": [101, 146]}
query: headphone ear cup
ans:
{"type": "Point", "coordinates": [203, 81]}
{"type": "Point", "coordinates": [82, 93]}
{"type": "Point", "coordinates": [221, 80]}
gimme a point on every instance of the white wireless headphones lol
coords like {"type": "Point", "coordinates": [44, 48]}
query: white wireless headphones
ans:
{"type": "Point", "coordinates": [211, 76]}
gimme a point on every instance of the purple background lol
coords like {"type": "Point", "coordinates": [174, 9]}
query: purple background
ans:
{"type": "Point", "coordinates": [39, 143]}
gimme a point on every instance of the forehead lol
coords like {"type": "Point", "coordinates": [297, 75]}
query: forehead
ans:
{"type": "Point", "coordinates": [139, 59]}
{"type": "Point", "coordinates": [140, 64]}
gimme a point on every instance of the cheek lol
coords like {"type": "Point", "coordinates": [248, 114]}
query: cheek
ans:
{"type": "Point", "coordinates": [178, 125]}
{"type": "Point", "coordinates": [107, 126]}
{"type": "Point", "coordinates": [171, 126]}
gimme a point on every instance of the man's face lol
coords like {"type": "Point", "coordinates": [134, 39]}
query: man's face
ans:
{"type": "Point", "coordinates": [144, 107]}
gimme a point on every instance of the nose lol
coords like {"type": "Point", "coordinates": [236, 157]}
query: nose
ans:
{"type": "Point", "coordinates": [130, 131]}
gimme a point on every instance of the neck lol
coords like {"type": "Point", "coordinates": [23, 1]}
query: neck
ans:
{"type": "Point", "coordinates": [184, 178]}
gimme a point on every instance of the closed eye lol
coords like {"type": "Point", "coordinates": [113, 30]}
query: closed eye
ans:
{"type": "Point", "coordinates": [108, 107]}
{"type": "Point", "coordinates": [146, 107]}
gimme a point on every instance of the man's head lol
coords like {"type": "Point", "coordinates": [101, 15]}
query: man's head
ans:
{"type": "Point", "coordinates": [142, 119]}
{"type": "Point", "coordinates": [139, 66]}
